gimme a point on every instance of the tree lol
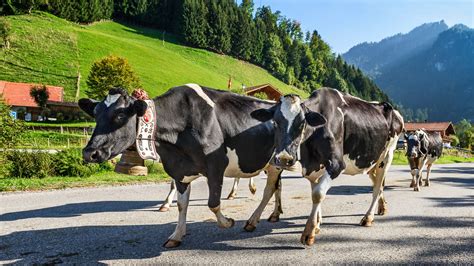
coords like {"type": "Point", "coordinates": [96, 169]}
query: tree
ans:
{"type": "Point", "coordinates": [247, 7]}
{"type": "Point", "coordinates": [242, 43]}
{"type": "Point", "coordinates": [219, 31]}
{"type": "Point", "coordinates": [5, 32]}
{"type": "Point", "coordinates": [195, 26]}
{"type": "Point", "coordinates": [465, 133]}
{"type": "Point", "coordinates": [272, 56]}
{"type": "Point", "coordinates": [41, 95]}
{"type": "Point", "coordinates": [110, 72]}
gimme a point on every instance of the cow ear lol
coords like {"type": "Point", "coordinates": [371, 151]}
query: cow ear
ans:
{"type": "Point", "coordinates": [140, 107]}
{"type": "Point", "coordinates": [263, 115]}
{"type": "Point", "coordinates": [315, 119]}
{"type": "Point", "coordinates": [88, 106]}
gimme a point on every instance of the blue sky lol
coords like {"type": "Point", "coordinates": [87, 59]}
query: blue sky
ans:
{"type": "Point", "coordinates": [345, 23]}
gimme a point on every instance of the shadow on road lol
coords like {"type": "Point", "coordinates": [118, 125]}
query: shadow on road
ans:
{"type": "Point", "coordinates": [97, 243]}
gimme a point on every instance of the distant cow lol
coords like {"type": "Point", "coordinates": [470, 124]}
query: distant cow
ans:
{"type": "Point", "coordinates": [329, 134]}
{"type": "Point", "coordinates": [233, 193]}
{"type": "Point", "coordinates": [199, 131]}
{"type": "Point", "coordinates": [423, 149]}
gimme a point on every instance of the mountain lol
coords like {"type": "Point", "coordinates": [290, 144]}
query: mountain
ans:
{"type": "Point", "coordinates": [50, 50]}
{"type": "Point", "coordinates": [434, 78]}
{"type": "Point", "coordinates": [372, 57]}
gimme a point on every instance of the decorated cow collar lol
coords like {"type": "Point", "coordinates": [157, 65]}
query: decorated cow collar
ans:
{"type": "Point", "coordinates": [146, 128]}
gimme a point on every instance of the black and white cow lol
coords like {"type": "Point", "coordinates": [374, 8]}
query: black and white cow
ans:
{"type": "Point", "coordinates": [199, 131]}
{"type": "Point", "coordinates": [233, 193]}
{"type": "Point", "coordinates": [423, 149]}
{"type": "Point", "coordinates": [358, 137]}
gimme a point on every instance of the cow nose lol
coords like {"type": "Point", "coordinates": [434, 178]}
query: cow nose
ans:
{"type": "Point", "coordinates": [90, 155]}
{"type": "Point", "coordinates": [284, 159]}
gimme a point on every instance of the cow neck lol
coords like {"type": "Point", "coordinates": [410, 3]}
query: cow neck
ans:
{"type": "Point", "coordinates": [146, 130]}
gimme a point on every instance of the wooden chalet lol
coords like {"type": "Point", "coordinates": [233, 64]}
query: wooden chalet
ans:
{"type": "Point", "coordinates": [272, 92]}
{"type": "Point", "coordinates": [17, 95]}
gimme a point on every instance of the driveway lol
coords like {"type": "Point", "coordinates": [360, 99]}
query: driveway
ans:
{"type": "Point", "coordinates": [121, 225]}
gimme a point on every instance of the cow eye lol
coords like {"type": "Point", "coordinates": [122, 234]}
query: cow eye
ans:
{"type": "Point", "coordinates": [121, 116]}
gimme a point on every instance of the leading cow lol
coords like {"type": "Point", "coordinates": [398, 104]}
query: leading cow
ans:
{"type": "Point", "coordinates": [199, 131]}
{"type": "Point", "coordinates": [359, 137]}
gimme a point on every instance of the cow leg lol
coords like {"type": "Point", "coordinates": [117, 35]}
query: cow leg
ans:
{"type": "Point", "coordinates": [414, 173]}
{"type": "Point", "coordinates": [273, 175]}
{"type": "Point", "coordinates": [428, 171]}
{"type": "Point", "coordinates": [183, 201]}
{"type": "Point", "coordinates": [319, 191]}
{"type": "Point", "coordinates": [214, 182]}
{"type": "Point", "coordinates": [169, 199]}
{"type": "Point", "coordinates": [418, 176]}
{"type": "Point", "coordinates": [275, 216]}
{"type": "Point", "coordinates": [233, 192]}
{"type": "Point", "coordinates": [378, 176]}
{"type": "Point", "coordinates": [252, 186]}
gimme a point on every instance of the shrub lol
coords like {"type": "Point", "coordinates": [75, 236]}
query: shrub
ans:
{"type": "Point", "coordinates": [70, 163]}
{"type": "Point", "coordinates": [41, 164]}
{"type": "Point", "coordinates": [29, 164]}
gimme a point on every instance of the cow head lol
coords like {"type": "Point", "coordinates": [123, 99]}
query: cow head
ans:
{"type": "Point", "coordinates": [116, 124]}
{"type": "Point", "coordinates": [289, 117]}
{"type": "Point", "coordinates": [417, 144]}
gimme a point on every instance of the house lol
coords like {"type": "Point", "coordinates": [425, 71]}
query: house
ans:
{"type": "Point", "coordinates": [17, 95]}
{"type": "Point", "coordinates": [272, 92]}
{"type": "Point", "coordinates": [446, 129]}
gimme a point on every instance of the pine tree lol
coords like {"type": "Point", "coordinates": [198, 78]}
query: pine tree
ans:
{"type": "Point", "coordinates": [272, 56]}
{"type": "Point", "coordinates": [195, 27]}
{"type": "Point", "coordinates": [241, 46]}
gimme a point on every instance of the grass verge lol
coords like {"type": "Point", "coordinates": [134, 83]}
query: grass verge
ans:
{"type": "Point", "coordinates": [156, 175]}
{"type": "Point", "coordinates": [449, 156]}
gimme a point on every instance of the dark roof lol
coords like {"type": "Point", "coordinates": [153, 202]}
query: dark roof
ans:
{"type": "Point", "coordinates": [446, 127]}
{"type": "Point", "coordinates": [259, 87]}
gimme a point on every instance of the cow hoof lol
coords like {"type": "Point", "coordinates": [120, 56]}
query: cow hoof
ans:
{"type": "Point", "coordinates": [164, 208]}
{"type": "Point", "coordinates": [416, 189]}
{"type": "Point", "coordinates": [412, 184]}
{"type": "Point", "coordinates": [307, 240]}
{"type": "Point", "coordinates": [274, 218]}
{"type": "Point", "coordinates": [249, 227]}
{"type": "Point", "coordinates": [172, 243]}
{"type": "Point", "coordinates": [230, 197]}
{"type": "Point", "coordinates": [228, 224]}
{"type": "Point", "coordinates": [427, 184]}
{"type": "Point", "coordinates": [366, 221]}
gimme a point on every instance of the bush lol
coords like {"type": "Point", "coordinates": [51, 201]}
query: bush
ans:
{"type": "Point", "coordinates": [70, 163]}
{"type": "Point", "coordinates": [41, 164]}
{"type": "Point", "coordinates": [29, 164]}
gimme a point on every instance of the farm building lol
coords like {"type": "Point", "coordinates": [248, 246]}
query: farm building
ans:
{"type": "Point", "coordinates": [446, 129]}
{"type": "Point", "coordinates": [17, 95]}
{"type": "Point", "coordinates": [272, 92]}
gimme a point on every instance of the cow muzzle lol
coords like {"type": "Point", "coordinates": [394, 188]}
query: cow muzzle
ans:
{"type": "Point", "coordinates": [94, 155]}
{"type": "Point", "coordinates": [284, 159]}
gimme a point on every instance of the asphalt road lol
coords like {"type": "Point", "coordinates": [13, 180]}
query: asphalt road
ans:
{"type": "Point", "coordinates": [121, 225]}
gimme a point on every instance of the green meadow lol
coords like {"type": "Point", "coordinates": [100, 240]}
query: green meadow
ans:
{"type": "Point", "coordinates": [49, 50]}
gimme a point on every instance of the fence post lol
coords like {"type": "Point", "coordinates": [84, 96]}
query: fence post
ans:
{"type": "Point", "coordinates": [68, 145]}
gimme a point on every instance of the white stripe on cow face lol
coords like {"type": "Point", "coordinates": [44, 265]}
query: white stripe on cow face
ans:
{"type": "Point", "coordinates": [290, 109]}
{"type": "Point", "coordinates": [111, 99]}
{"type": "Point", "coordinates": [201, 93]}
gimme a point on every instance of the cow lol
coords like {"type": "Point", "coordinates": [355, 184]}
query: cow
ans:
{"type": "Point", "coordinates": [423, 149]}
{"type": "Point", "coordinates": [199, 132]}
{"type": "Point", "coordinates": [329, 134]}
{"type": "Point", "coordinates": [233, 193]}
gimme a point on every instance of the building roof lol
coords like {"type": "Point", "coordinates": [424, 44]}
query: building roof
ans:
{"type": "Point", "coordinates": [272, 92]}
{"type": "Point", "coordinates": [18, 94]}
{"type": "Point", "coordinates": [446, 127]}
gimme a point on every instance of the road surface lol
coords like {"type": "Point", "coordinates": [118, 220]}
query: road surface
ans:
{"type": "Point", "coordinates": [121, 225]}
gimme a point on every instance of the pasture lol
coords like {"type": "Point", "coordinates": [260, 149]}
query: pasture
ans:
{"type": "Point", "coordinates": [121, 224]}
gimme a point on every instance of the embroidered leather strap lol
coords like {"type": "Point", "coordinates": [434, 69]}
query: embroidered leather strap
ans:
{"type": "Point", "coordinates": [146, 130]}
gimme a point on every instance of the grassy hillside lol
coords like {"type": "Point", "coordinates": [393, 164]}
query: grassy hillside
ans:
{"type": "Point", "coordinates": [50, 50]}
